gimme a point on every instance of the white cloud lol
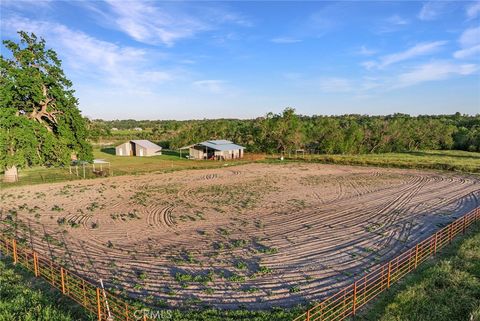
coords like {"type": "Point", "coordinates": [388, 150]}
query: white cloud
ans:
{"type": "Point", "coordinates": [335, 85]}
{"type": "Point", "coordinates": [432, 71]}
{"type": "Point", "coordinates": [145, 23]}
{"type": "Point", "coordinates": [392, 24]}
{"type": "Point", "coordinates": [91, 57]}
{"type": "Point", "coordinates": [397, 20]}
{"type": "Point", "coordinates": [473, 10]}
{"type": "Point", "coordinates": [420, 49]}
{"type": "Point", "coordinates": [432, 10]}
{"type": "Point", "coordinates": [160, 22]}
{"type": "Point", "coordinates": [285, 40]}
{"type": "Point", "coordinates": [470, 37]}
{"type": "Point", "coordinates": [470, 44]}
{"type": "Point", "coordinates": [467, 53]}
{"type": "Point", "coordinates": [369, 64]}
{"type": "Point", "coordinates": [364, 51]}
{"type": "Point", "coordinates": [26, 4]}
{"type": "Point", "coordinates": [211, 85]}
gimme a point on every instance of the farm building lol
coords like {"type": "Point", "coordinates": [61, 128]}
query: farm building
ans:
{"type": "Point", "coordinates": [138, 148]}
{"type": "Point", "coordinates": [215, 149]}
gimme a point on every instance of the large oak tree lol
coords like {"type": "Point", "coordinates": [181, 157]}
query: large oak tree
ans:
{"type": "Point", "coordinates": [40, 123]}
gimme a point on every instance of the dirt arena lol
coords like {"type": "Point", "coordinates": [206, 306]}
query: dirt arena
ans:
{"type": "Point", "coordinates": [255, 235]}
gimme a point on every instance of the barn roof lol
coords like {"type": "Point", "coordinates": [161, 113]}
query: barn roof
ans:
{"type": "Point", "coordinates": [146, 144]}
{"type": "Point", "coordinates": [220, 145]}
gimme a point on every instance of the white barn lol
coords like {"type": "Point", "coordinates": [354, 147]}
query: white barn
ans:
{"type": "Point", "coordinates": [216, 149]}
{"type": "Point", "coordinates": [138, 148]}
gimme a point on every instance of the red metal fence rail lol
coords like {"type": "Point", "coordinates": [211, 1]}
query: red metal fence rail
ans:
{"type": "Point", "coordinates": [85, 293]}
{"type": "Point", "coordinates": [347, 301]}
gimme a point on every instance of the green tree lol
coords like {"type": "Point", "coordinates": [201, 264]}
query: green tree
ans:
{"type": "Point", "coordinates": [40, 123]}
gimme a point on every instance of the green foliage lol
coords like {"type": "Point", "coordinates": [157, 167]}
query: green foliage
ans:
{"type": "Point", "coordinates": [447, 289]}
{"type": "Point", "coordinates": [40, 123]}
{"type": "Point", "coordinates": [443, 160]}
{"type": "Point", "coordinates": [24, 298]}
{"type": "Point", "coordinates": [288, 131]}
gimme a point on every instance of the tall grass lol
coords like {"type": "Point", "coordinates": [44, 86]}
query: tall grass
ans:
{"type": "Point", "coordinates": [450, 160]}
{"type": "Point", "coordinates": [446, 289]}
{"type": "Point", "coordinates": [25, 298]}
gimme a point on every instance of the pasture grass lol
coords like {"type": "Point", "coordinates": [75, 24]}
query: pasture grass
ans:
{"type": "Point", "coordinates": [169, 161]}
{"type": "Point", "coordinates": [450, 160]}
{"type": "Point", "coordinates": [26, 298]}
{"type": "Point", "coordinates": [444, 289]}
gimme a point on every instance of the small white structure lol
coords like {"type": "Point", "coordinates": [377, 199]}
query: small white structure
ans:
{"type": "Point", "coordinates": [138, 129]}
{"type": "Point", "coordinates": [215, 149]}
{"type": "Point", "coordinates": [138, 148]}
{"type": "Point", "coordinates": [114, 129]}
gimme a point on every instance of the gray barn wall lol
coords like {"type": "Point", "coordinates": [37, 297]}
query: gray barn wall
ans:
{"type": "Point", "coordinates": [123, 150]}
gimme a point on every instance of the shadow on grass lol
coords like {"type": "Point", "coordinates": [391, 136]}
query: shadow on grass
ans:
{"type": "Point", "coordinates": [108, 150]}
{"type": "Point", "coordinates": [170, 152]}
{"type": "Point", "coordinates": [441, 154]}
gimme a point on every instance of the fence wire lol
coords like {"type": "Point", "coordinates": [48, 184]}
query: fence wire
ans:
{"type": "Point", "coordinates": [348, 300]}
{"type": "Point", "coordinates": [337, 307]}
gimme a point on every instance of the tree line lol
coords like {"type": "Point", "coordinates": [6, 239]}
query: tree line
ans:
{"type": "Point", "coordinates": [40, 123]}
{"type": "Point", "coordinates": [288, 131]}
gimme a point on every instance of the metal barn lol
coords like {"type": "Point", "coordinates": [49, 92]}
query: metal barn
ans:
{"type": "Point", "coordinates": [138, 148]}
{"type": "Point", "coordinates": [216, 149]}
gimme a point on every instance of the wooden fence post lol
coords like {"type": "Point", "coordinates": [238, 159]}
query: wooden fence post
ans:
{"type": "Point", "coordinates": [99, 308]}
{"type": "Point", "coordinates": [308, 315]}
{"type": "Point", "coordinates": [35, 263]}
{"type": "Point", "coordinates": [409, 260]}
{"type": "Point", "coordinates": [354, 297]}
{"type": "Point", "coordinates": [416, 255]}
{"type": "Point", "coordinates": [14, 249]}
{"type": "Point", "coordinates": [84, 294]}
{"type": "Point", "coordinates": [450, 233]}
{"type": "Point", "coordinates": [62, 274]}
{"type": "Point", "coordinates": [388, 275]}
{"type": "Point", "coordinates": [364, 289]}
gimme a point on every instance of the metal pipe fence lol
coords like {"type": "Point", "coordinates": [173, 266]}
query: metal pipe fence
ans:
{"type": "Point", "coordinates": [347, 301]}
{"type": "Point", "coordinates": [90, 296]}
{"type": "Point", "coordinates": [337, 307]}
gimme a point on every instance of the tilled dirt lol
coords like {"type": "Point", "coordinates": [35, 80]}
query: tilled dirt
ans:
{"type": "Point", "coordinates": [251, 236]}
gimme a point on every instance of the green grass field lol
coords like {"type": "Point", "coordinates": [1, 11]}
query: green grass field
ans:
{"type": "Point", "coordinates": [25, 298]}
{"type": "Point", "coordinates": [445, 289]}
{"type": "Point", "coordinates": [451, 160]}
{"type": "Point", "coordinates": [169, 161]}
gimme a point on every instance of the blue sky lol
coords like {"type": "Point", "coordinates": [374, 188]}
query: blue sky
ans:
{"type": "Point", "coordinates": [184, 60]}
